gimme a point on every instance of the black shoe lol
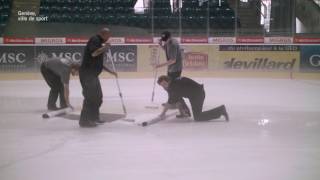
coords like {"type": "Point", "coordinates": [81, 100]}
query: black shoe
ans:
{"type": "Point", "coordinates": [63, 106]}
{"type": "Point", "coordinates": [53, 108]}
{"type": "Point", "coordinates": [225, 113]}
{"type": "Point", "coordinates": [183, 116]}
{"type": "Point", "coordinates": [100, 121]}
{"type": "Point", "coordinates": [87, 124]}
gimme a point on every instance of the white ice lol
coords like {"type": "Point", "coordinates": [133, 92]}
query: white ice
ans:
{"type": "Point", "coordinates": [273, 134]}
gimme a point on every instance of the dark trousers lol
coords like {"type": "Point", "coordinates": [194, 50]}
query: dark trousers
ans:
{"type": "Point", "coordinates": [56, 88]}
{"type": "Point", "coordinates": [174, 75]}
{"type": "Point", "coordinates": [92, 93]}
{"type": "Point", "coordinates": [197, 105]}
{"type": "Point", "coordinates": [183, 107]}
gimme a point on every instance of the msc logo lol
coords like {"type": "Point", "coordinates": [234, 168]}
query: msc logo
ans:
{"type": "Point", "coordinates": [122, 57]}
{"type": "Point", "coordinates": [76, 56]}
{"type": "Point", "coordinates": [314, 60]}
{"type": "Point", "coordinates": [12, 58]}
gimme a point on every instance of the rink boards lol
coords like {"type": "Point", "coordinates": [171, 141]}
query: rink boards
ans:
{"type": "Point", "coordinates": [204, 60]}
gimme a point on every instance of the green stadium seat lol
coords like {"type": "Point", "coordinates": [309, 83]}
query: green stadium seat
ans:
{"type": "Point", "coordinates": [54, 17]}
{"type": "Point", "coordinates": [110, 19]}
{"type": "Point", "coordinates": [213, 22]}
{"type": "Point", "coordinates": [161, 4]}
{"type": "Point", "coordinates": [4, 17]}
{"type": "Point", "coordinates": [123, 3]}
{"type": "Point", "coordinates": [98, 9]}
{"type": "Point", "coordinates": [44, 9]}
{"type": "Point", "coordinates": [132, 20]}
{"type": "Point", "coordinates": [66, 17]}
{"type": "Point", "coordinates": [76, 18]}
{"type": "Point", "coordinates": [201, 22]}
{"type": "Point", "coordinates": [123, 10]}
{"type": "Point", "coordinates": [173, 22]}
{"type": "Point", "coordinates": [107, 3]}
{"type": "Point", "coordinates": [66, 9]}
{"type": "Point", "coordinates": [215, 3]}
{"type": "Point", "coordinates": [227, 22]}
{"type": "Point", "coordinates": [161, 11]}
{"type": "Point", "coordinates": [161, 21]}
{"type": "Point", "coordinates": [55, 9]}
{"type": "Point", "coordinates": [190, 3]}
{"type": "Point", "coordinates": [108, 10]}
{"type": "Point", "coordinates": [97, 18]}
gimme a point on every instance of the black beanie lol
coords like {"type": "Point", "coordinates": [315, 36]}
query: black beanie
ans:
{"type": "Point", "coordinates": [165, 35]}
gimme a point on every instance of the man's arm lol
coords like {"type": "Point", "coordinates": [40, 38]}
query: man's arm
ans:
{"type": "Point", "coordinates": [172, 56]}
{"type": "Point", "coordinates": [163, 113]}
{"type": "Point", "coordinates": [66, 95]}
{"type": "Point", "coordinates": [172, 102]}
{"type": "Point", "coordinates": [101, 50]}
{"type": "Point", "coordinates": [168, 63]}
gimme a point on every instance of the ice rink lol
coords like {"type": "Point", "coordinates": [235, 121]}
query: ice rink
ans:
{"type": "Point", "coordinates": [273, 134]}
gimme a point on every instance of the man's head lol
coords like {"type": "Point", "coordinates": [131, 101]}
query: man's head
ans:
{"type": "Point", "coordinates": [164, 81]}
{"type": "Point", "coordinates": [165, 36]}
{"type": "Point", "coordinates": [105, 34]}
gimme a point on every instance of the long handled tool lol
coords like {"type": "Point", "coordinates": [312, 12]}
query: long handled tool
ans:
{"type": "Point", "coordinates": [119, 90]}
{"type": "Point", "coordinates": [154, 81]}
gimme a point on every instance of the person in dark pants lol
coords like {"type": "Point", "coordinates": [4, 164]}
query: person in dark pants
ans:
{"type": "Point", "coordinates": [174, 56]}
{"type": "Point", "coordinates": [56, 72]}
{"type": "Point", "coordinates": [90, 69]}
{"type": "Point", "coordinates": [188, 88]}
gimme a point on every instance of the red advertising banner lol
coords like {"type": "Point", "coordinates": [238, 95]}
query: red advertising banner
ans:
{"type": "Point", "coordinates": [278, 40]}
{"type": "Point", "coordinates": [195, 61]}
{"type": "Point", "coordinates": [252, 39]}
{"type": "Point", "coordinates": [116, 40]}
{"type": "Point", "coordinates": [138, 40]}
{"type": "Point", "coordinates": [13, 40]}
{"type": "Point", "coordinates": [307, 40]}
{"type": "Point", "coordinates": [194, 39]}
{"type": "Point", "coordinates": [222, 40]}
{"type": "Point", "coordinates": [56, 40]}
{"type": "Point", "coordinates": [79, 40]}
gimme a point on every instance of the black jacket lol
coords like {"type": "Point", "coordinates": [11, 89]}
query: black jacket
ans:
{"type": "Point", "coordinates": [89, 63]}
{"type": "Point", "coordinates": [184, 87]}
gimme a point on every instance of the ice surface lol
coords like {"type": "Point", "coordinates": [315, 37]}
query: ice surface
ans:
{"type": "Point", "coordinates": [287, 147]}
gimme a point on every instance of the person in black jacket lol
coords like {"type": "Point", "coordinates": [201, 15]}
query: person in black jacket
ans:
{"type": "Point", "coordinates": [188, 88]}
{"type": "Point", "coordinates": [90, 69]}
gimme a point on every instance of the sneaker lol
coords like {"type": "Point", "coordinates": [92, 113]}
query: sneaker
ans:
{"type": "Point", "coordinates": [183, 115]}
{"type": "Point", "coordinates": [225, 113]}
{"type": "Point", "coordinates": [87, 124]}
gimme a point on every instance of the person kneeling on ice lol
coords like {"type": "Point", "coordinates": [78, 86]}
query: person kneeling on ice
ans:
{"type": "Point", "coordinates": [188, 88]}
{"type": "Point", "coordinates": [56, 72]}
